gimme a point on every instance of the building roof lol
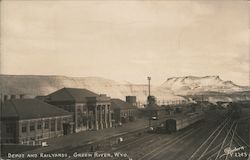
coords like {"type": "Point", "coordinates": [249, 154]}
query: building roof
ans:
{"type": "Point", "coordinates": [71, 94]}
{"type": "Point", "coordinates": [120, 104]}
{"type": "Point", "coordinates": [30, 109]}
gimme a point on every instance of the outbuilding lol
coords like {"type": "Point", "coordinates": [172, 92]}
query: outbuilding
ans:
{"type": "Point", "coordinates": [123, 111]}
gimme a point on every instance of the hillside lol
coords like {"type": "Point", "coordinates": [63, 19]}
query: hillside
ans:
{"type": "Point", "coordinates": [212, 87]}
{"type": "Point", "coordinates": [34, 85]}
{"type": "Point", "coordinates": [200, 85]}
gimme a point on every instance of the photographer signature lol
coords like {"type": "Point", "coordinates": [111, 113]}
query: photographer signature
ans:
{"type": "Point", "coordinates": [229, 151]}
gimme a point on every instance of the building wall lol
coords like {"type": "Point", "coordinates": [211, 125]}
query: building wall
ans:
{"type": "Point", "coordinates": [81, 117]}
{"type": "Point", "coordinates": [71, 107]}
{"type": "Point", "coordinates": [117, 115]}
{"type": "Point", "coordinates": [9, 131]}
{"type": "Point", "coordinates": [131, 100]}
{"type": "Point", "coordinates": [88, 116]}
{"type": "Point", "coordinates": [34, 131]}
{"type": "Point", "coordinates": [125, 115]}
{"type": "Point", "coordinates": [100, 113]}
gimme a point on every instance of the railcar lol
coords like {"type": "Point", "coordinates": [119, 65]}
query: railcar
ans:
{"type": "Point", "coordinates": [181, 122]}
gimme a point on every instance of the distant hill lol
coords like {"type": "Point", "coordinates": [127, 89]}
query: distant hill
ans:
{"type": "Point", "coordinates": [173, 89]}
{"type": "Point", "coordinates": [35, 85]}
{"type": "Point", "coordinates": [200, 85]}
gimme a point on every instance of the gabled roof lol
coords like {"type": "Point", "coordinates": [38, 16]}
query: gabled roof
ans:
{"type": "Point", "coordinates": [118, 103]}
{"type": "Point", "coordinates": [30, 109]}
{"type": "Point", "coordinates": [71, 94]}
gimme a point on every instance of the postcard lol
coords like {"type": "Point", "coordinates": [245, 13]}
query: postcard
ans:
{"type": "Point", "coordinates": [124, 80]}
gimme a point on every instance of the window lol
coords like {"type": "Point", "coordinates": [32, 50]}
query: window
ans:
{"type": "Point", "coordinates": [79, 123]}
{"type": "Point", "coordinates": [91, 113]}
{"type": "Point", "coordinates": [24, 129]}
{"type": "Point", "coordinates": [33, 138]}
{"type": "Point", "coordinates": [58, 125]}
{"type": "Point", "coordinates": [32, 127]}
{"type": "Point", "coordinates": [53, 125]}
{"type": "Point", "coordinates": [9, 130]}
{"type": "Point", "coordinates": [23, 141]}
{"type": "Point", "coordinates": [39, 125]}
{"type": "Point", "coordinates": [46, 126]}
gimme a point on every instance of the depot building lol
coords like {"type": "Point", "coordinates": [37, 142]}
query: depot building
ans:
{"type": "Point", "coordinates": [91, 111]}
{"type": "Point", "coordinates": [31, 121]}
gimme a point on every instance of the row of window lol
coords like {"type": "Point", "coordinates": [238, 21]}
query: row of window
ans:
{"type": "Point", "coordinates": [129, 113]}
{"type": "Point", "coordinates": [10, 129]}
{"type": "Point", "coordinates": [31, 139]}
{"type": "Point", "coordinates": [72, 109]}
{"type": "Point", "coordinates": [68, 108]}
{"type": "Point", "coordinates": [39, 126]}
{"type": "Point", "coordinates": [9, 141]}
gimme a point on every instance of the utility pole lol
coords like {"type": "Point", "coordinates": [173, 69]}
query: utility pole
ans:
{"type": "Point", "coordinates": [149, 78]}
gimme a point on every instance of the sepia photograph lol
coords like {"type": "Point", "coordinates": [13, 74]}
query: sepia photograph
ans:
{"type": "Point", "coordinates": [124, 80]}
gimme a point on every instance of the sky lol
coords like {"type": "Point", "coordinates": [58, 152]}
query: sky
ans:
{"type": "Point", "coordinates": [126, 40]}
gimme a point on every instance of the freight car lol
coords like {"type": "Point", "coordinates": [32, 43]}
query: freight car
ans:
{"type": "Point", "coordinates": [180, 122]}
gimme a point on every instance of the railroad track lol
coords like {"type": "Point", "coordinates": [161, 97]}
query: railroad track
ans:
{"type": "Point", "coordinates": [142, 140]}
{"type": "Point", "coordinates": [146, 142]}
{"type": "Point", "coordinates": [131, 138]}
{"type": "Point", "coordinates": [156, 151]}
{"type": "Point", "coordinates": [147, 150]}
{"type": "Point", "coordinates": [141, 147]}
{"type": "Point", "coordinates": [212, 148]}
{"type": "Point", "coordinates": [148, 146]}
{"type": "Point", "coordinates": [214, 139]}
{"type": "Point", "coordinates": [199, 152]}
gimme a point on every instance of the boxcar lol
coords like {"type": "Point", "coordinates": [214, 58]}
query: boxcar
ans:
{"type": "Point", "coordinates": [178, 123]}
{"type": "Point", "coordinates": [171, 125]}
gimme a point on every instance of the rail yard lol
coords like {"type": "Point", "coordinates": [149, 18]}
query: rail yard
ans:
{"type": "Point", "coordinates": [207, 138]}
{"type": "Point", "coordinates": [212, 134]}
{"type": "Point", "coordinates": [192, 131]}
